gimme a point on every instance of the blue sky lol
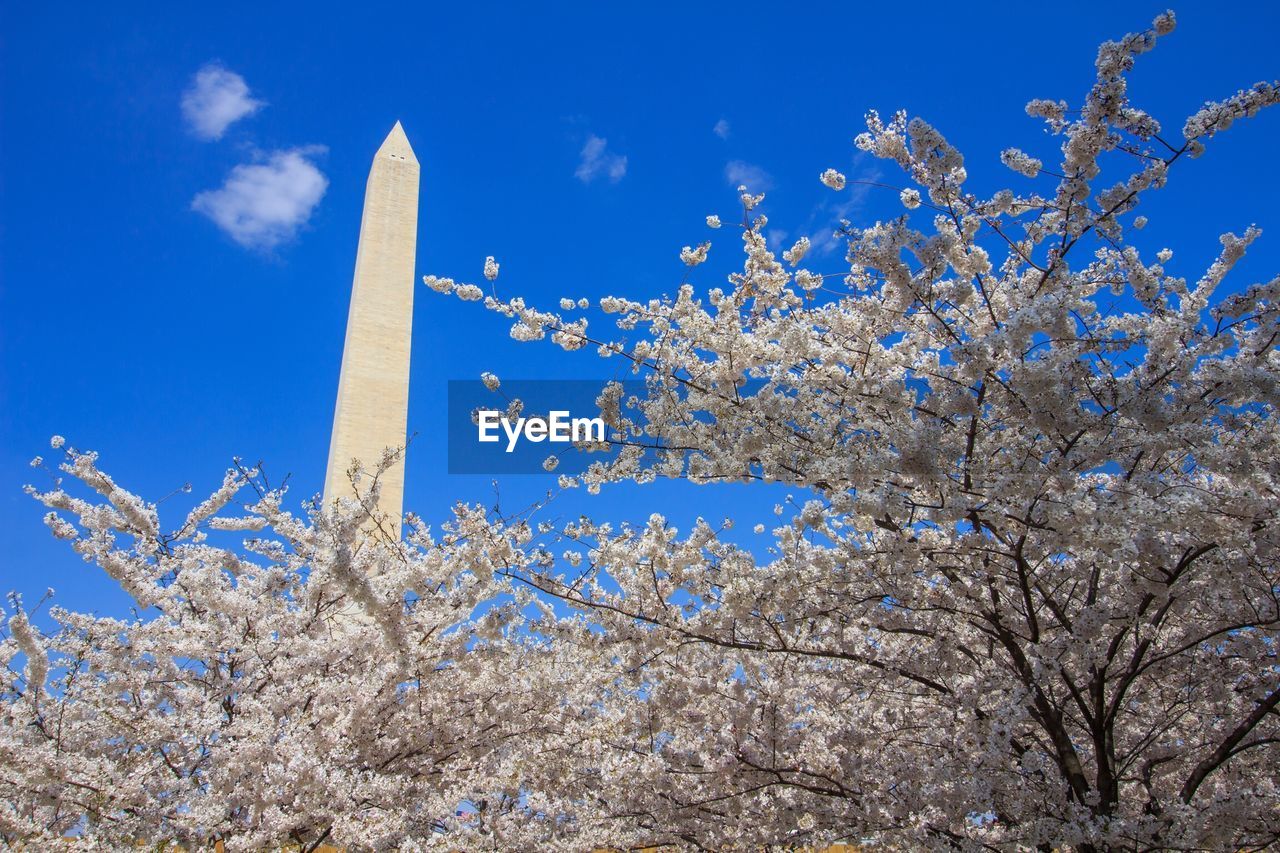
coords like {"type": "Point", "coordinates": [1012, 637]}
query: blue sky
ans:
{"type": "Point", "coordinates": [582, 145]}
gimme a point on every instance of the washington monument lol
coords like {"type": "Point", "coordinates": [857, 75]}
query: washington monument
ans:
{"type": "Point", "coordinates": [373, 389]}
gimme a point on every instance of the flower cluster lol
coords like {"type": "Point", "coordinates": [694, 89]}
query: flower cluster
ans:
{"type": "Point", "coordinates": [832, 179]}
{"type": "Point", "coordinates": [692, 257]}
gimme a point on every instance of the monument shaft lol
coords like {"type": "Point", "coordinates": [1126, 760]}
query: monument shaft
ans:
{"type": "Point", "coordinates": [373, 390]}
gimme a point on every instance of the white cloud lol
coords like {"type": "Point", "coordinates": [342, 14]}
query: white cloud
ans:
{"type": "Point", "coordinates": [721, 129]}
{"type": "Point", "coordinates": [596, 159]}
{"type": "Point", "coordinates": [740, 173]}
{"type": "Point", "coordinates": [261, 205]}
{"type": "Point", "coordinates": [216, 99]}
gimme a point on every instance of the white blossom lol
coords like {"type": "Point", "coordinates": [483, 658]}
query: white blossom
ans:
{"type": "Point", "coordinates": [832, 179]}
{"type": "Point", "coordinates": [440, 285]}
{"type": "Point", "coordinates": [1021, 162]}
{"type": "Point", "coordinates": [808, 280]}
{"type": "Point", "coordinates": [797, 252]}
{"type": "Point", "coordinates": [692, 257]}
{"type": "Point", "coordinates": [749, 201]}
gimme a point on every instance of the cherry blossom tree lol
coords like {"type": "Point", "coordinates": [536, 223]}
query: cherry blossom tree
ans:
{"type": "Point", "coordinates": [1026, 593]}
{"type": "Point", "coordinates": [319, 682]}
{"type": "Point", "coordinates": [1029, 596]}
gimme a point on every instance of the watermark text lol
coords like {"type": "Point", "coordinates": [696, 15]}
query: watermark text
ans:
{"type": "Point", "coordinates": [558, 427]}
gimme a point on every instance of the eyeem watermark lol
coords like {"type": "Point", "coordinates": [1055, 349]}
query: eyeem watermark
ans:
{"type": "Point", "coordinates": [558, 426]}
{"type": "Point", "coordinates": [539, 427]}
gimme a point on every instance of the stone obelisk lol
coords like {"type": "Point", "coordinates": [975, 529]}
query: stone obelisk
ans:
{"type": "Point", "coordinates": [373, 389]}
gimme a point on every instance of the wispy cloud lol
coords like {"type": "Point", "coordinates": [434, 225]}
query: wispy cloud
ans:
{"type": "Point", "coordinates": [261, 205]}
{"type": "Point", "coordinates": [721, 129]}
{"type": "Point", "coordinates": [742, 173]}
{"type": "Point", "coordinates": [215, 100]}
{"type": "Point", "coordinates": [596, 160]}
